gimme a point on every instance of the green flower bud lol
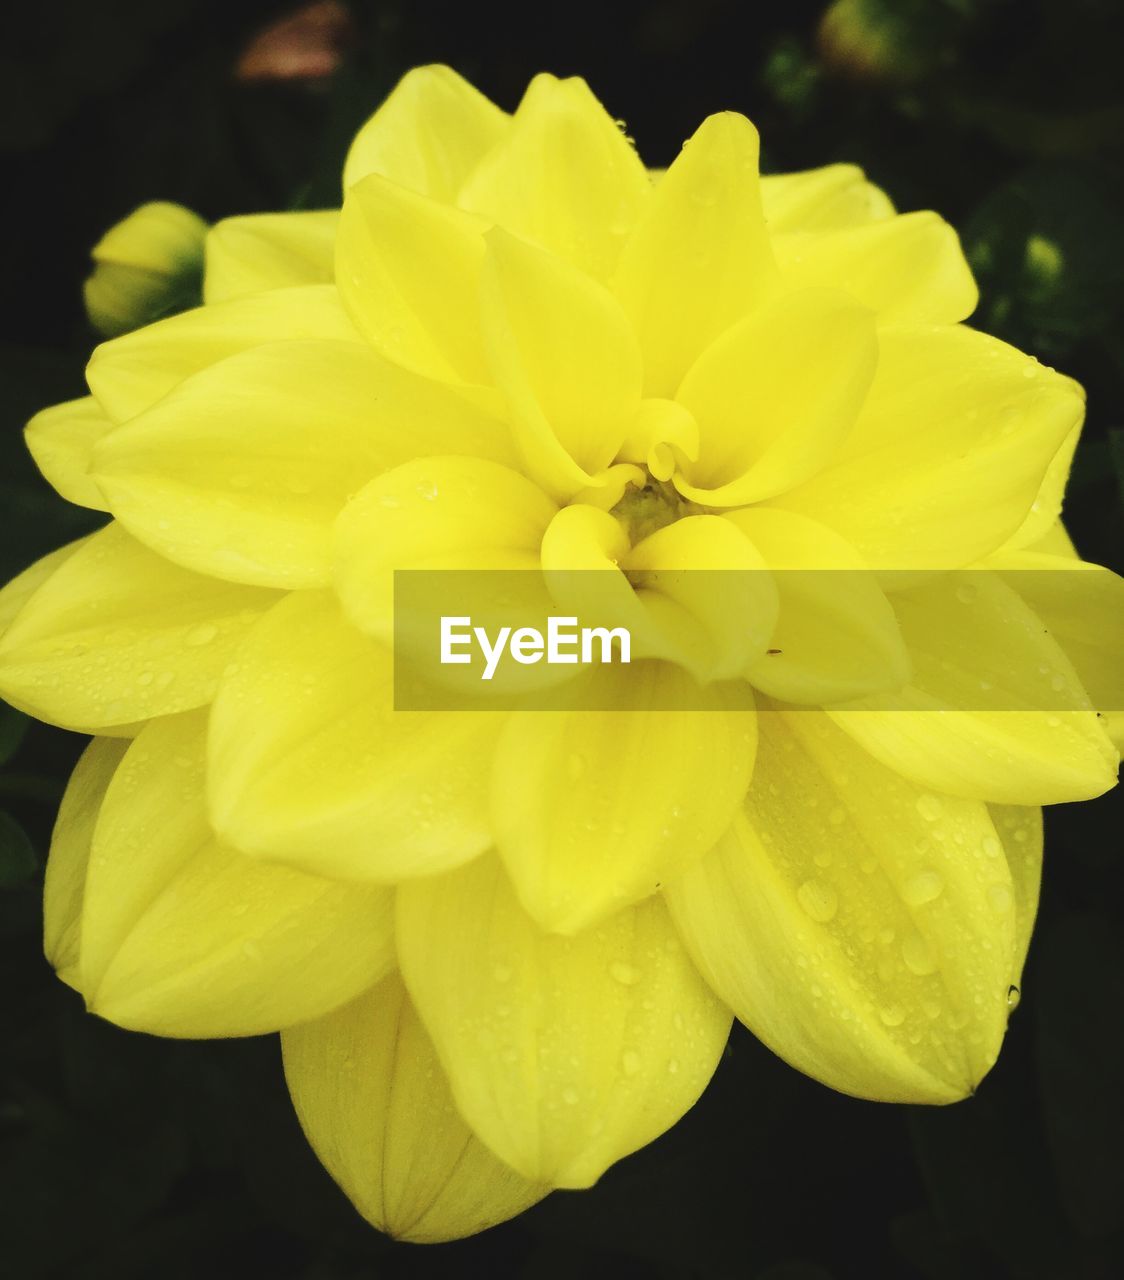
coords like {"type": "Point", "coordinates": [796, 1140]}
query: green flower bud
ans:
{"type": "Point", "coordinates": [145, 265]}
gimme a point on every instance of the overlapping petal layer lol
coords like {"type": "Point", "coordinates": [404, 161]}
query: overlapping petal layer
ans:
{"type": "Point", "coordinates": [863, 928]}
{"type": "Point", "coordinates": [994, 710]}
{"type": "Point", "coordinates": [984, 422]}
{"type": "Point", "coordinates": [563, 1053]}
{"type": "Point", "coordinates": [309, 763]}
{"type": "Point", "coordinates": [241, 472]}
{"type": "Point", "coordinates": [184, 936]}
{"type": "Point", "coordinates": [117, 634]}
{"type": "Point", "coordinates": [61, 439]}
{"type": "Point", "coordinates": [268, 251]}
{"type": "Point", "coordinates": [362, 1077]}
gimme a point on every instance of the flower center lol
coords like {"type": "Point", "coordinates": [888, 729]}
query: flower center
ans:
{"type": "Point", "coordinates": [642, 510]}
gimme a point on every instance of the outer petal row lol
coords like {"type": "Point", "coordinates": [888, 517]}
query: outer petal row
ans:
{"type": "Point", "coordinates": [865, 930]}
{"type": "Point", "coordinates": [164, 929]}
{"type": "Point", "coordinates": [564, 1054]}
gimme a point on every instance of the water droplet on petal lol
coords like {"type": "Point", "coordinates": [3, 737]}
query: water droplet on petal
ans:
{"type": "Point", "coordinates": [929, 807]}
{"type": "Point", "coordinates": [918, 955]}
{"type": "Point", "coordinates": [922, 888]}
{"type": "Point", "coordinates": [201, 635]}
{"type": "Point", "coordinates": [627, 975]}
{"type": "Point", "coordinates": [892, 1016]}
{"type": "Point", "coordinates": [1000, 897]}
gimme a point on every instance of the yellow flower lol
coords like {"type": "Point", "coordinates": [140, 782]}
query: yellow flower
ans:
{"type": "Point", "coordinates": [504, 949]}
{"type": "Point", "coordinates": [144, 265]}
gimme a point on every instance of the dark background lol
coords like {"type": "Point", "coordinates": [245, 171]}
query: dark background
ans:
{"type": "Point", "coordinates": [123, 1156]}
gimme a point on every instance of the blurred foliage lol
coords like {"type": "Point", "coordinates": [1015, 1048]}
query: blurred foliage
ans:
{"type": "Point", "coordinates": [128, 1157]}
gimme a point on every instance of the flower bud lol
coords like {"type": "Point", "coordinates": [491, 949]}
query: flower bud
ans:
{"type": "Point", "coordinates": [144, 266]}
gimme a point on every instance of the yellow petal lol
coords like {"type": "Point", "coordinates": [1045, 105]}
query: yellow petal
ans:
{"type": "Point", "coordinates": [708, 594]}
{"type": "Point", "coordinates": [564, 1054]}
{"type": "Point", "coordinates": [838, 195]}
{"type": "Point", "coordinates": [836, 635]}
{"type": "Point", "coordinates": [995, 710]}
{"type": "Point", "coordinates": [268, 251]}
{"type": "Point", "coordinates": [1046, 509]}
{"type": "Point", "coordinates": [1055, 542]}
{"type": "Point", "coordinates": [118, 634]}
{"type": "Point", "coordinates": [699, 258]}
{"type": "Point", "coordinates": [408, 270]}
{"type": "Point", "coordinates": [1082, 605]}
{"type": "Point", "coordinates": [564, 176]}
{"type": "Point", "coordinates": [330, 777]}
{"type": "Point", "coordinates": [948, 453]}
{"type": "Point", "coordinates": [434, 514]}
{"type": "Point", "coordinates": [375, 1106]}
{"type": "Point", "coordinates": [563, 352]}
{"type": "Point", "coordinates": [863, 929]}
{"type": "Point", "coordinates": [242, 471]}
{"type": "Point", "coordinates": [17, 592]}
{"type": "Point", "coordinates": [65, 880]}
{"type": "Point", "coordinates": [581, 554]}
{"type": "Point", "coordinates": [184, 936]}
{"type": "Point", "coordinates": [908, 268]}
{"type": "Point", "coordinates": [61, 440]}
{"type": "Point", "coordinates": [131, 373]}
{"type": "Point", "coordinates": [776, 395]}
{"type": "Point", "coordinates": [428, 135]}
{"type": "Point", "coordinates": [1020, 831]}
{"type": "Point", "coordinates": [595, 809]}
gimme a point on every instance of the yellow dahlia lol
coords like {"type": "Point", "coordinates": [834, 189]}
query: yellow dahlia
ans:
{"type": "Point", "coordinates": [504, 948]}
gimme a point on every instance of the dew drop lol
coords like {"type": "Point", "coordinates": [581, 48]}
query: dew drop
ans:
{"type": "Point", "coordinates": [929, 807]}
{"type": "Point", "coordinates": [1013, 997]}
{"type": "Point", "coordinates": [918, 955]}
{"type": "Point", "coordinates": [966, 592]}
{"type": "Point", "coordinates": [672, 1066]}
{"type": "Point", "coordinates": [818, 899]}
{"type": "Point", "coordinates": [999, 895]}
{"type": "Point", "coordinates": [628, 975]}
{"type": "Point", "coordinates": [630, 1062]}
{"type": "Point", "coordinates": [570, 1096]}
{"type": "Point", "coordinates": [992, 847]}
{"type": "Point", "coordinates": [922, 888]}
{"type": "Point", "coordinates": [201, 635]}
{"type": "Point", "coordinates": [893, 1015]}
